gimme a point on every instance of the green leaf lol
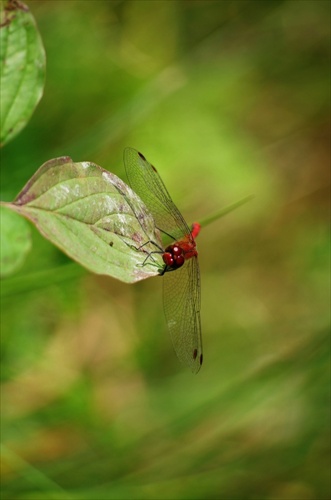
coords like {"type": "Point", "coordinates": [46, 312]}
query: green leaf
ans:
{"type": "Point", "coordinates": [15, 241]}
{"type": "Point", "coordinates": [22, 68]}
{"type": "Point", "coordinates": [94, 217]}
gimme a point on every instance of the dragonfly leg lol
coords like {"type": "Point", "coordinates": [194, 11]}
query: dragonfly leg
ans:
{"type": "Point", "coordinates": [149, 254]}
{"type": "Point", "coordinates": [144, 244]}
{"type": "Point", "coordinates": [153, 243]}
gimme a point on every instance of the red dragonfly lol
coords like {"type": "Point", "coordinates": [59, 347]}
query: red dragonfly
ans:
{"type": "Point", "coordinates": [181, 275]}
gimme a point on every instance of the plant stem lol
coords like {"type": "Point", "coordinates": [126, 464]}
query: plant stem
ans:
{"type": "Point", "coordinates": [229, 208]}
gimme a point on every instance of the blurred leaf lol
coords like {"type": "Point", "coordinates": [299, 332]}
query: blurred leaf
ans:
{"type": "Point", "coordinates": [22, 59]}
{"type": "Point", "coordinates": [49, 489]}
{"type": "Point", "coordinates": [41, 279]}
{"type": "Point", "coordinates": [92, 216]}
{"type": "Point", "coordinates": [15, 241]}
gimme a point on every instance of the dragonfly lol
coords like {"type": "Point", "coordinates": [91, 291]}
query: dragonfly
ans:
{"type": "Point", "coordinates": [181, 275]}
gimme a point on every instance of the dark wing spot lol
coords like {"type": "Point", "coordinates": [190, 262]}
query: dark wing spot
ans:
{"type": "Point", "coordinates": [111, 243]}
{"type": "Point", "coordinates": [141, 156]}
{"type": "Point", "coordinates": [153, 168]}
{"type": "Point", "coordinates": [195, 353]}
{"type": "Point", "coordinates": [201, 359]}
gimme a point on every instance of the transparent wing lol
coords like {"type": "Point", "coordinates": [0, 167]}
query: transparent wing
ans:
{"type": "Point", "coordinates": [181, 300]}
{"type": "Point", "coordinates": [181, 288]}
{"type": "Point", "coordinates": [147, 183]}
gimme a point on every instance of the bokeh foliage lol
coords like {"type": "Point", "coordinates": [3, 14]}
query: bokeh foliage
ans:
{"type": "Point", "coordinates": [227, 99]}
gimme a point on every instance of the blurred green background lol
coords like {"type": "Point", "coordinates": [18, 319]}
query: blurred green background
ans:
{"type": "Point", "coordinates": [227, 99]}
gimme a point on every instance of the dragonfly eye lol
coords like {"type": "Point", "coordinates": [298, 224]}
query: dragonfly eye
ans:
{"type": "Point", "coordinates": [168, 259]}
{"type": "Point", "coordinates": [176, 251]}
{"type": "Point", "coordinates": [179, 260]}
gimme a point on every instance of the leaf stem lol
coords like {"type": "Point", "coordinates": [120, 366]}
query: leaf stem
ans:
{"type": "Point", "coordinates": [226, 210]}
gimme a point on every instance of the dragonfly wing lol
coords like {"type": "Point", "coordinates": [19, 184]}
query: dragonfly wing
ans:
{"type": "Point", "coordinates": [146, 182]}
{"type": "Point", "coordinates": [181, 299]}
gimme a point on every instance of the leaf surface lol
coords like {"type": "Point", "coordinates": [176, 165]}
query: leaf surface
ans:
{"type": "Point", "coordinates": [15, 241]}
{"type": "Point", "coordinates": [22, 68]}
{"type": "Point", "coordinates": [94, 217]}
